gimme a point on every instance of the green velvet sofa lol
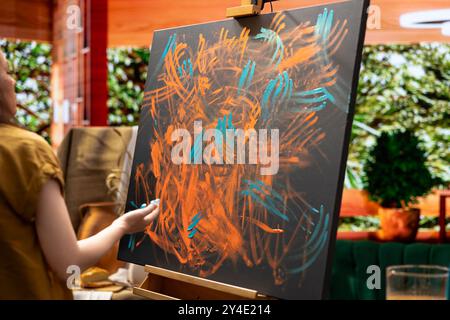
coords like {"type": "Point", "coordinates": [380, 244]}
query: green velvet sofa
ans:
{"type": "Point", "coordinates": [351, 259]}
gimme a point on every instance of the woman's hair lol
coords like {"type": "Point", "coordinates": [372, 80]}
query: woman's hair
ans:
{"type": "Point", "coordinates": [9, 120]}
{"type": "Point", "coordinates": [5, 114]}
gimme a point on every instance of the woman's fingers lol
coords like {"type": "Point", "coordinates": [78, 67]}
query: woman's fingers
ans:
{"type": "Point", "coordinates": [152, 216]}
{"type": "Point", "coordinates": [149, 208]}
{"type": "Point", "coordinates": [136, 220]}
{"type": "Point", "coordinates": [145, 210]}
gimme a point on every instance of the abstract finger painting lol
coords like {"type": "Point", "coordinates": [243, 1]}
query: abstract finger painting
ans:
{"type": "Point", "coordinates": [243, 136]}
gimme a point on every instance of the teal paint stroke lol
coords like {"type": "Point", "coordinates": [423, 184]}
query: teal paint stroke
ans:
{"type": "Point", "coordinates": [186, 68]}
{"type": "Point", "coordinates": [274, 39]}
{"type": "Point", "coordinates": [192, 226]}
{"type": "Point", "coordinates": [196, 151]}
{"type": "Point", "coordinates": [246, 77]}
{"type": "Point", "coordinates": [324, 23]}
{"type": "Point", "coordinates": [314, 246]}
{"type": "Point", "coordinates": [170, 47]}
{"type": "Point", "coordinates": [265, 196]}
{"type": "Point", "coordinates": [224, 124]}
{"type": "Point", "coordinates": [132, 239]}
{"type": "Point", "coordinates": [277, 91]}
{"type": "Point", "coordinates": [318, 98]}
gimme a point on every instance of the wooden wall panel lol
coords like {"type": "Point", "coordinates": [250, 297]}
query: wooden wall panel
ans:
{"type": "Point", "coordinates": [79, 71]}
{"type": "Point", "coordinates": [67, 73]}
{"type": "Point", "coordinates": [27, 20]}
{"type": "Point", "coordinates": [357, 203]}
{"type": "Point", "coordinates": [133, 22]}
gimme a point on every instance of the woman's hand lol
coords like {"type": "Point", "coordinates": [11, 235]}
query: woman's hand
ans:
{"type": "Point", "coordinates": [136, 220]}
{"type": "Point", "coordinates": [59, 242]}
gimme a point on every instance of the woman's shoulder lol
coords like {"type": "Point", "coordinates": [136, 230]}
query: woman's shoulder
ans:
{"type": "Point", "coordinates": [14, 136]}
{"type": "Point", "coordinates": [27, 162]}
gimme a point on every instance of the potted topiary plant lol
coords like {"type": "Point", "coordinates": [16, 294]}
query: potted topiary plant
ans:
{"type": "Point", "coordinates": [395, 175]}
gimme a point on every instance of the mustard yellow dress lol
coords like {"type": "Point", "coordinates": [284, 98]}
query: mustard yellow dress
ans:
{"type": "Point", "coordinates": [27, 162]}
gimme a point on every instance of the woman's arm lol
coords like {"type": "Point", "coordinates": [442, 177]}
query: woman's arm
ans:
{"type": "Point", "coordinates": [57, 238]}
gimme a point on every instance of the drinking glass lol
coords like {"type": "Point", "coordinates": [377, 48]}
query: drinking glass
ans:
{"type": "Point", "coordinates": [417, 282]}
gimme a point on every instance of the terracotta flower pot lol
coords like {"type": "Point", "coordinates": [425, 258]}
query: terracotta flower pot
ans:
{"type": "Point", "coordinates": [399, 224]}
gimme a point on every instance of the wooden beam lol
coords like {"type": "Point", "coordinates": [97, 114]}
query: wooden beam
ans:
{"type": "Point", "coordinates": [26, 20]}
{"type": "Point", "coordinates": [96, 86]}
{"type": "Point", "coordinates": [67, 73]}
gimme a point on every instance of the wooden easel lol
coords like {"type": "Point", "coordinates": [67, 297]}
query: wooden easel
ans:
{"type": "Point", "coordinates": [247, 8]}
{"type": "Point", "coordinates": [163, 284]}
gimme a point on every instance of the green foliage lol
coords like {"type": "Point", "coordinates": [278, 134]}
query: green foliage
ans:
{"type": "Point", "coordinates": [30, 63]}
{"type": "Point", "coordinates": [403, 87]}
{"type": "Point", "coordinates": [359, 223]}
{"type": "Point", "coordinates": [369, 223]}
{"type": "Point", "coordinates": [432, 223]}
{"type": "Point", "coordinates": [127, 72]}
{"type": "Point", "coordinates": [396, 173]}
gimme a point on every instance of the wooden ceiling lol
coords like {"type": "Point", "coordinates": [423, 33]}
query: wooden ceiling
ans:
{"type": "Point", "coordinates": [132, 22]}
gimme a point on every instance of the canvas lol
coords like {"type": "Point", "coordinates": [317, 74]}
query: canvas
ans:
{"type": "Point", "coordinates": [243, 135]}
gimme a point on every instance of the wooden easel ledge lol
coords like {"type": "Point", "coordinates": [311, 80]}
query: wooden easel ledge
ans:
{"type": "Point", "coordinates": [162, 284]}
{"type": "Point", "coordinates": [247, 8]}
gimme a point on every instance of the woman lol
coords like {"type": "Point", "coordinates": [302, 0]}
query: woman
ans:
{"type": "Point", "coordinates": [37, 241]}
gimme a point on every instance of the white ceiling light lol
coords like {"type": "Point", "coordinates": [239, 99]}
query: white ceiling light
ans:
{"type": "Point", "coordinates": [432, 19]}
{"type": "Point", "coordinates": [446, 29]}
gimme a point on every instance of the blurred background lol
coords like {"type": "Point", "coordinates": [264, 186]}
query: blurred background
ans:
{"type": "Point", "coordinates": [81, 67]}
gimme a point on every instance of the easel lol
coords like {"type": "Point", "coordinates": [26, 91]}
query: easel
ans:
{"type": "Point", "coordinates": [163, 284]}
{"type": "Point", "coordinates": [247, 8]}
